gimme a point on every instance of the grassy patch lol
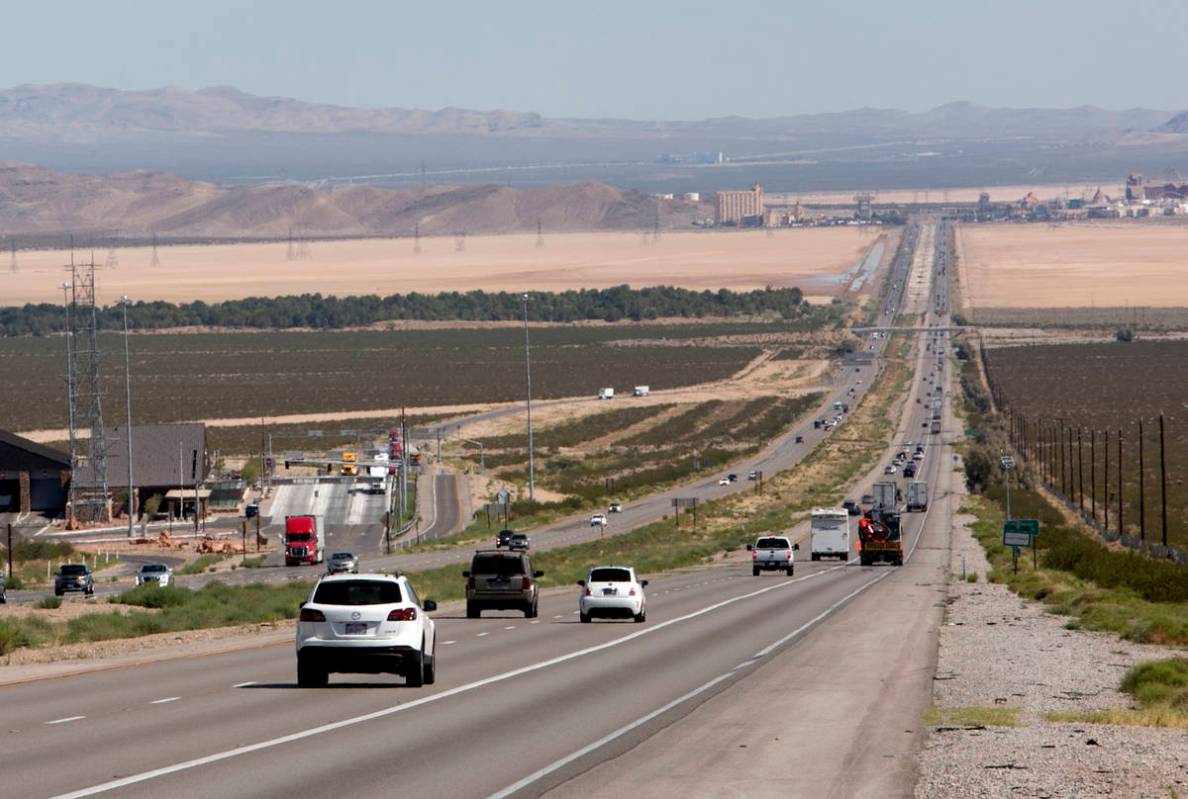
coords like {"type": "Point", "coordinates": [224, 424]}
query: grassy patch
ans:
{"type": "Point", "coordinates": [200, 564]}
{"type": "Point", "coordinates": [972, 716]}
{"type": "Point", "coordinates": [1160, 687]}
{"type": "Point", "coordinates": [253, 563]}
{"type": "Point", "coordinates": [48, 603]}
{"type": "Point", "coordinates": [1100, 588]}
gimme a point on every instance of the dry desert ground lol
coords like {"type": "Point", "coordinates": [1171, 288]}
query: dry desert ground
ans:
{"type": "Point", "coordinates": [695, 260]}
{"type": "Point", "coordinates": [1074, 265]}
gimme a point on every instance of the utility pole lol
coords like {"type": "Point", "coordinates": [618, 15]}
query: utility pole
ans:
{"type": "Point", "coordinates": [1105, 478]}
{"type": "Point", "coordinates": [128, 432]}
{"type": "Point", "coordinates": [10, 552]}
{"type": "Point", "coordinates": [1093, 471]}
{"type": "Point", "coordinates": [528, 373]}
{"type": "Point", "coordinates": [1080, 473]}
{"type": "Point", "coordinates": [1121, 529]}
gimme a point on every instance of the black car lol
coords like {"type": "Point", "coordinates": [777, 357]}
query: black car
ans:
{"type": "Point", "coordinates": [251, 511]}
{"type": "Point", "coordinates": [852, 507]}
{"type": "Point", "coordinates": [74, 577]}
{"type": "Point", "coordinates": [909, 470]}
{"type": "Point", "coordinates": [503, 539]}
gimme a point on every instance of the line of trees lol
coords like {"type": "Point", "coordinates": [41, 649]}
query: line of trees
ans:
{"type": "Point", "coordinates": [328, 312]}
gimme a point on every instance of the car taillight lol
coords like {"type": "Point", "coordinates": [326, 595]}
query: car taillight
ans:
{"type": "Point", "coordinates": [525, 583]}
{"type": "Point", "coordinates": [470, 584]}
{"type": "Point", "coordinates": [631, 592]}
{"type": "Point", "coordinates": [789, 554]}
{"type": "Point", "coordinates": [403, 614]}
{"type": "Point", "coordinates": [310, 614]}
{"type": "Point", "coordinates": [754, 555]}
{"type": "Point", "coordinates": [588, 591]}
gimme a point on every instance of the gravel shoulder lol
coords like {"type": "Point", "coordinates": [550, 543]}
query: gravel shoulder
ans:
{"type": "Point", "coordinates": [997, 650]}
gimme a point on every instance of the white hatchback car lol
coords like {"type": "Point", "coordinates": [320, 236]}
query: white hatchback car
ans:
{"type": "Point", "coordinates": [368, 624]}
{"type": "Point", "coordinates": [612, 591]}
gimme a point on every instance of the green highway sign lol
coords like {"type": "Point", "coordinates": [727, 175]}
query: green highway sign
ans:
{"type": "Point", "coordinates": [1020, 532]}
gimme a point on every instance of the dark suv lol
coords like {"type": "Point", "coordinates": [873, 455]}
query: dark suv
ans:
{"type": "Point", "coordinates": [500, 580]}
{"type": "Point", "coordinates": [74, 577]}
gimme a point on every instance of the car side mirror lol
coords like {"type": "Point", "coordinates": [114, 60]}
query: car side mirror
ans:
{"type": "Point", "coordinates": [796, 547]}
{"type": "Point", "coordinates": [643, 584]}
{"type": "Point", "coordinates": [538, 574]}
{"type": "Point", "coordinates": [299, 607]}
{"type": "Point", "coordinates": [466, 574]}
{"type": "Point", "coordinates": [429, 605]}
{"type": "Point", "coordinates": [582, 583]}
{"type": "Point", "coordinates": [750, 547]}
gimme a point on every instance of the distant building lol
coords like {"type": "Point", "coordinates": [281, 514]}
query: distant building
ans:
{"type": "Point", "coordinates": [739, 207]}
{"type": "Point", "coordinates": [984, 202]}
{"type": "Point", "coordinates": [863, 206]}
{"type": "Point", "coordinates": [33, 477]}
{"type": "Point", "coordinates": [1139, 189]}
{"type": "Point", "coordinates": [167, 459]}
{"type": "Point", "coordinates": [691, 197]}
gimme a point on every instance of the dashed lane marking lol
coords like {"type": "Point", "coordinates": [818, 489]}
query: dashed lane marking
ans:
{"type": "Point", "coordinates": [68, 718]}
{"type": "Point", "coordinates": [166, 699]}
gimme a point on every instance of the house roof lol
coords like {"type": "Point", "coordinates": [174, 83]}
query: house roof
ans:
{"type": "Point", "coordinates": [23, 452]}
{"type": "Point", "coordinates": [158, 452]}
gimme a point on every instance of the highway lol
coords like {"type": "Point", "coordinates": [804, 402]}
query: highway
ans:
{"type": "Point", "coordinates": [810, 685]}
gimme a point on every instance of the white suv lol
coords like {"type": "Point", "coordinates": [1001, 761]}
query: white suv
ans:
{"type": "Point", "coordinates": [365, 623]}
{"type": "Point", "coordinates": [612, 591]}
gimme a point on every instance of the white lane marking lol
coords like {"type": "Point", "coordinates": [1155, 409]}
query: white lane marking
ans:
{"type": "Point", "coordinates": [166, 699]}
{"type": "Point", "coordinates": [510, 627]}
{"type": "Point", "coordinates": [447, 643]}
{"type": "Point", "coordinates": [480, 635]}
{"type": "Point", "coordinates": [244, 684]}
{"type": "Point", "coordinates": [619, 733]}
{"type": "Point", "coordinates": [227, 754]}
{"type": "Point", "coordinates": [535, 622]}
{"type": "Point", "coordinates": [68, 718]}
{"type": "Point", "coordinates": [559, 616]}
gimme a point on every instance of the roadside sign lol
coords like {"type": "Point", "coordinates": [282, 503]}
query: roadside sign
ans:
{"type": "Point", "coordinates": [684, 502]}
{"type": "Point", "coordinates": [504, 496]}
{"type": "Point", "coordinates": [1020, 532]}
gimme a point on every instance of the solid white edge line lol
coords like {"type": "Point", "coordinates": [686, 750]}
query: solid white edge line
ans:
{"type": "Point", "coordinates": [247, 684]}
{"type": "Point", "coordinates": [238, 751]}
{"type": "Point", "coordinates": [166, 699]}
{"type": "Point", "coordinates": [63, 721]}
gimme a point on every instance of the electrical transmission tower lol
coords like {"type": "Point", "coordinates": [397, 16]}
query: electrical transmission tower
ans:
{"type": "Point", "coordinates": [460, 241]}
{"type": "Point", "coordinates": [113, 259]}
{"type": "Point", "coordinates": [416, 237]}
{"type": "Point", "coordinates": [155, 260]}
{"type": "Point", "coordinates": [291, 253]}
{"type": "Point", "coordinates": [539, 234]}
{"type": "Point", "coordinates": [89, 497]}
{"type": "Point", "coordinates": [12, 265]}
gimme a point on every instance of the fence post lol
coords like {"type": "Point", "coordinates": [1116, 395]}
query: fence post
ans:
{"type": "Point", "coordinates": [1080, 473]}
{"type": "Point", "coordinates": [1093, 472]}
{"type": "Point", "coordinates": [1105, 478]}
{"type": "Point", "coordinates": [10, 553]}
{"type": "Point", "coordinates": [1120, 484]}
{"type": "Point", "coordinates": [1142, 493]}
{"type": "Point", "coordinates": [1162, 483]}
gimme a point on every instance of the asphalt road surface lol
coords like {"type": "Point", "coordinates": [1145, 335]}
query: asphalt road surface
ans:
{"type": "Point", "coordinates": [808, 685]}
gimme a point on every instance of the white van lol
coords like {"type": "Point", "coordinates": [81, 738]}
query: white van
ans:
{"type": "Point", "coordinates": [830, 528]}
{"type": "Point", "coordinates": [606, 393]}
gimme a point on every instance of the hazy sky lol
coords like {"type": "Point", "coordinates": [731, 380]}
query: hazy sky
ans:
{"type": "Point", "coordinates": [649, 59]}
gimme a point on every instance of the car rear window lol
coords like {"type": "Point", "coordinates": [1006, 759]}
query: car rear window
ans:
{"type": "Point", "coordinates": [341, 556]}
{"type": "Point", "coordinates": [74, 568]}
{"type": "Point", "coordinates": [153, 567]}
{"type": "Point", "coordinates": [772, 543]}
{"type": "Point", "coordinates": [357, 592]}
{"type": "Point", "coordinates": [610, 576]}
{"type": "Point", "coordinates": [493, 564]}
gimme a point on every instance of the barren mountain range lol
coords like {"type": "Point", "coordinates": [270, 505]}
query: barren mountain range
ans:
{"type": "Point", "coordinates": [35, 200]}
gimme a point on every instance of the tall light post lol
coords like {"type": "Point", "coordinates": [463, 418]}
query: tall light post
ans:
{"type": "Point", "coordinates": [528, 372]}
{"type": "Point", "coordinates": [1008, 463]}
{"type": "Point", "coordinates": [128, 433]}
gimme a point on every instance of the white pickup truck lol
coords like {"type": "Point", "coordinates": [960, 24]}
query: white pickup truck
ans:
{"type": "Point", "coordinates": [772, 553]}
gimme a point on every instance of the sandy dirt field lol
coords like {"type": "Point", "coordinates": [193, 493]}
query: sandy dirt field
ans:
{"type": "Point", "coordinates": [809, 258]}
{"type": "Point", "coordinates": [1075, 265]}
{"type": "Point", "coordinates": [998, 194]}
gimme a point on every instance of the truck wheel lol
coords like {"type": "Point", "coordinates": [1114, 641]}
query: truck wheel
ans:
{"type": "Point", "coordinates": [531, 611]}
{"type": "Point", "coordinates": [309, 675]}
{"type": "Point", "coordinates": [473, 611]}
{"type": "Point", "coordinates": [754, 571]}
{"type": "Point", "coordinates": [898, 562]}
{"type": "Point", "coordinates": [791, 569]}
{"type": "Point", "coordinates": [845, 556]}
{"type": "Point", "coordinates": [584, 618]}
{"type": "Point", "coordinates": [865, 561]}
{"type": "Point", "coordinates": [414, 672]}
{"type": "Point", "coordinates": [641, 616]}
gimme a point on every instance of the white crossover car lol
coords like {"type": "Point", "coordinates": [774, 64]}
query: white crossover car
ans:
{"type": "Point", "coordinates": [612, 592]}
{"type": "Point", "coordinates": [368, 624]}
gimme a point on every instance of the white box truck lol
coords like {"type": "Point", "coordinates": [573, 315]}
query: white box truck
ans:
{"type": "Point", "coordinates": [606, 393]}
{"type": "Point", "coordinates": [917, 496]}
{"type": "Point", "coordinates": [641, 391]}
{"type": "Point", "coordinates": [830, 528]}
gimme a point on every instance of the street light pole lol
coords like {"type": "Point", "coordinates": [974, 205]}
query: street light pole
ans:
{"type": "Point", "coordinates": [528, 372]}
{"type": "Point", "coordinates": [128, 432]}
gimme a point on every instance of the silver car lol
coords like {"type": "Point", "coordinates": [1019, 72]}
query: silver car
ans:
{"type": "Point", "coordinates": [158, 574]}
{"type": "Point", "coordinates": [342, 563]}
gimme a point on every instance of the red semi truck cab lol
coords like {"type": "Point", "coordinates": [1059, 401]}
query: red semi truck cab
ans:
{"type": "Point", "coordinates": [305, 540]}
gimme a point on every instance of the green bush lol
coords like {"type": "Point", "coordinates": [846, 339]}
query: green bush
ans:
{"type": "Point", "coordinates": [49, 603]}
{"type": "Point", "coordinates": [1159, 682]}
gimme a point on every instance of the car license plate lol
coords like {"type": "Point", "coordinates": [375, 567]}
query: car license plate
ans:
{"type": "Point", "coordinates": [610, 591]}
{"type": "Point", "coordinates": [356, 627]}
